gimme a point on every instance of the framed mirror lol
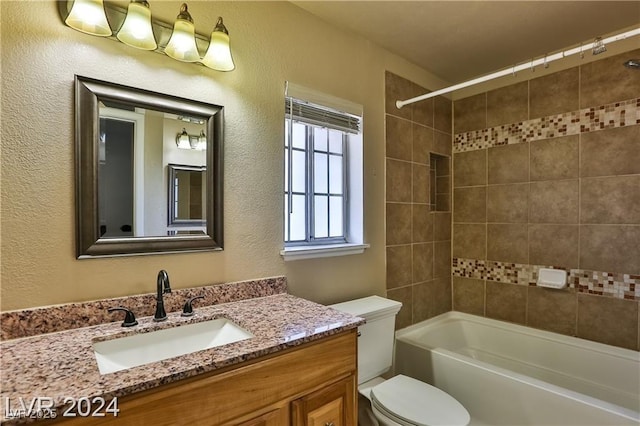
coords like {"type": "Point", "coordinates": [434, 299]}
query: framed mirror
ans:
{"type": "Point", "coordinates": [133, 144]}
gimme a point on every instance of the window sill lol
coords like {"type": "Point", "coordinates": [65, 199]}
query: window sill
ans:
{"type": "Point", "coordinates": [312, 252]}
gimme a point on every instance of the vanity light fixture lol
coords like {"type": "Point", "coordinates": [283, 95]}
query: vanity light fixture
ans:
{"type": "Point", "coordinates": [88, 16]}
{"type": "Point", "coordinates": [182, 44]}
{"type": "Point", "coordinates": [136, 31]}
{"type": "Point", "coordinates": [201, 145]}
{"type": "Point", "coordinates": [218, 56]}
{"type": "Point", "coordinates": [182, 140]}
{"type": "Point", "coordinates": [137, 28]}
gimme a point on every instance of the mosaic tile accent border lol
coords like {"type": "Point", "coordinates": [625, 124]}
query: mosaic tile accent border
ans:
{"type": "Point", "coordinates": [610, 284]}
{"type": "Point", "coordinates": [618, 114]}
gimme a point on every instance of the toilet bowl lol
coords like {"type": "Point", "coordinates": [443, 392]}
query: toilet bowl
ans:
{"type": "Point", "coordinates": [400, 400]}
{"type": "Point", "coordinates": [405, 401]}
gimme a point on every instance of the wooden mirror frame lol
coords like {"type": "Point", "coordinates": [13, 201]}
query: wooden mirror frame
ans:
{"type": "Point", "coordinates": [88, 94]}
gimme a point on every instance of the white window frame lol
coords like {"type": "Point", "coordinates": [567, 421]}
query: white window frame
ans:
{"type": "Point", "coordinates": [353, 241]}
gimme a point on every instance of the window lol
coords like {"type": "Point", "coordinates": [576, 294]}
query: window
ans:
{"type": "Point", "coordinates": [323, 177]}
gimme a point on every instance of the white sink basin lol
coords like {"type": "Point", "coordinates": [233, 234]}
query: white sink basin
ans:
{"type": "Point", "coordinates": [139, 349]}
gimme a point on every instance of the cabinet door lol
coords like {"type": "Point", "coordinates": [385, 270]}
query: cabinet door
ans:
{"type": "Point", "coordinates": [334, 405]}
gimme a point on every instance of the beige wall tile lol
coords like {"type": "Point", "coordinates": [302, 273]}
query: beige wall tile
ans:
{"type": "Point", "coordinates": [398, 266]}
{"type": "Point", "coordinates": [403, 295]}
{"type": "Point", "coordinates": [507, 243]}
{"type": "Point", "coordinates": [423, 301]}
{"type": "Point", "coordinates": [443, 143]}
{"type": "Point", "coordinates": [397, 88]}
{"type": "Point", "coordinates": [442, 259]}
{"type": "Point", "coordinates": [398, 181]}
{"type": "Point", "coordinates": [610, 152]}
{"type": "Point", "coordinates": [507, 302]}
{"type": "Point", "coordinates": [610, 200]}
{"type": "Point", "coordinates": [398, 137]}
{"type": "Point", "coordinates": [552, 310]}
{"type": "Point", "coordinates": [422, 262]}
{"type": "Point", "coordinates": [470, 113]}
{"type": "Point", "coordinates": [431, 298]}
{"type": "Point", "coordinates": [470, 204]}
{"type": "Point", "coordinates": [443, 202]}
{"type": "Point", "coordinates": [470, 168]}
{"type": "Point", "coordinates": [610, 248]}
{"type": "Point", "coordinates": [554, 201]}
{"type": "Point", "coordinates": [554, 245]}
{"type": "Point", "coordinates": [608, 320]}
{"type": "Point", "coordinates": [442, 295]}
{"type": "Point", "coordinates": [508, 104]}
{"type": "Point", "coordinates": [422, 143]}
{"type": "Point", "coordinates": [553, 159]}
{"type": "Point", "coordinates": [468, 295]}
{"type": "Point", "coordinates": [469, 241]}
{"type": "Point", "coordinates": [442, 165]}
{"type": "Point", "coordinates": [606, 81]}
{"type": "Point", "coordinates": [442, 226]}
{"type": "Point", "coordinates": [508, 203]}
{"type": "Point", "coordinates": [398, 224]}
{"type": "Point", "coordinates": [423, 110]}
{"type": "Point", "coordinates": [422, 223]}
{"type": "Point", "coordinates": [442, 115]}
{"type": "Point", "coordinates": [508, 163]}
{"type": "Point", "coordinates": [420, 183]}
{"type": "Point", "coordinates": [553, 94]}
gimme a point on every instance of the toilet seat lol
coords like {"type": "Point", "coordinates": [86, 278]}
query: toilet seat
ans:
{"type": "Point", "coordinates": [410, 402]}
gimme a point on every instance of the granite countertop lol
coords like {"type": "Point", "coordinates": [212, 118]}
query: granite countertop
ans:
{"type": "Point", "coordinates": [62, 364]}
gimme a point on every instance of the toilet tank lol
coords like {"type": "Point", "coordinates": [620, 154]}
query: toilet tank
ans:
{"type": "Point", "coordinates": [375, 344]}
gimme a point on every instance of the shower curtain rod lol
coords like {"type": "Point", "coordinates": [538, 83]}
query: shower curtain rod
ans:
{"type": "Point", "coordinates": [514, 69]}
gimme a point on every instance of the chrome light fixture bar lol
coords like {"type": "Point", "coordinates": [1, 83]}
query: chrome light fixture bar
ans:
{"type": "Point", "coordinates": [156, 36]}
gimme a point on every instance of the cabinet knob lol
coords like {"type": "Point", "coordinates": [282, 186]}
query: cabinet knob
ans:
{"type": "Point", "coordinates": [329, 424]}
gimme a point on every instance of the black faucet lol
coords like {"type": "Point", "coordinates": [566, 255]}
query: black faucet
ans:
{"type": "Point", "coordinates": [163, 287]}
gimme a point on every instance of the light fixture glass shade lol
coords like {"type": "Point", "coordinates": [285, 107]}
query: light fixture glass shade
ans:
{"type": "Point", "coordinates": [182, 44]}
{"type": "Point", "coordinates": [202, 142]}
{"type": "Point", "coordinates": [88, 16]}
{"type": "Point", "coordinates": [136, 31]}
{"type": "Point", "coordinates": [218, 56]}
{"type": "Point", "coordinates": [182, 140]}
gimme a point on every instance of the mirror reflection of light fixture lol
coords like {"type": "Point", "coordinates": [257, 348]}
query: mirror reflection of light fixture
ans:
{"type": "Point", "coordinates": [136, 31]}
{"type": "Point", "coordinates": [182, 44]}
{"type": "Point", "coordinates": [201, 145]}
{"type": "Point", "coordinates": [182, 140]}
{"type": "Point", "coordinates": [218, 56]}
{"type": "Point", "coordinates": [88, 16]}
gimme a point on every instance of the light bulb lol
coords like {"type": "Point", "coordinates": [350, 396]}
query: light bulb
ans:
{"type": "Point", "coordinates": [182, 44]}
{"type": "Point", "coordinates": [183, 140]}
{"type": "Point", "coordinates": [136, 31]}
{"type": "Point", "coordinates": [218, 56]}
{"type": "Point", "coordinates": [88, 16]}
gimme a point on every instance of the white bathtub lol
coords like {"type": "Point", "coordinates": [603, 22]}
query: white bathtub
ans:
{"type": "Point", "coordinates": [506, 374]}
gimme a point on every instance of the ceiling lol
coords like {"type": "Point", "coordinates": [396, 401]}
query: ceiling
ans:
{"type": "Point", "coordinates": [458, 40]}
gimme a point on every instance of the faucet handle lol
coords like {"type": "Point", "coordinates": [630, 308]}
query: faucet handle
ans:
{"type": "Point", "coordinates": [129, 318]}
{"type": "Point", "coordinates": [187, 309]}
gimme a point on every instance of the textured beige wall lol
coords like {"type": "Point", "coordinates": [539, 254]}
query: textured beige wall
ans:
{"type": "Point", "coordinates": [272, 42]}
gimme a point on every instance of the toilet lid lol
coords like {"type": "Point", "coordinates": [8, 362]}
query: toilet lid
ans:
{"type": "Point", "coordinates": [417, 403]}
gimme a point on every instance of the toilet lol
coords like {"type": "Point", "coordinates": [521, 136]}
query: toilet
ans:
{"type": "Point", "coordinates": [400, 400]}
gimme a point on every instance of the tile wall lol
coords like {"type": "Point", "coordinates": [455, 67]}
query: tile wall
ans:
{"type": "Point", "coordinates": [546, 172]}
{"type": "Point", "coordinates": [418, 240]}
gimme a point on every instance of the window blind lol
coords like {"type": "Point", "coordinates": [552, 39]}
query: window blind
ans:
{"type": "Point", "coordinates": [321, 116]}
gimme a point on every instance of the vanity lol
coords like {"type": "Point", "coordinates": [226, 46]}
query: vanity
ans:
{"type": "Point", "coordinates": [297, 368]}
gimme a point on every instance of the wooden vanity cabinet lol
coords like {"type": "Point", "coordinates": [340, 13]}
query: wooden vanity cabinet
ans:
{"type": "Point", "coordinates": [312, 384]}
